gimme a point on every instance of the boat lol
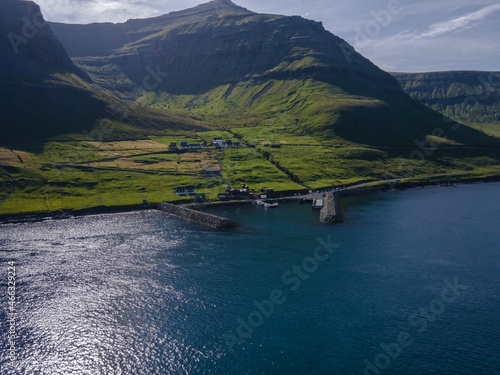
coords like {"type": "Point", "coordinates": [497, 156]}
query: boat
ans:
{"type": "Point", "coordinates": [271, 205]}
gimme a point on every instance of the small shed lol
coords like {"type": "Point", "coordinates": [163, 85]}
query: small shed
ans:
{"type": "Point", "coordinates": [212, 171]}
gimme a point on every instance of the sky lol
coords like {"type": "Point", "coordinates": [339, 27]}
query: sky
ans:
{"type": "Point", "coordinates": [396, 35]}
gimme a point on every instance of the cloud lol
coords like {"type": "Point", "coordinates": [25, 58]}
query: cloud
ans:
{"type": "Point", "coordinates": [459, 23]}
{"type": "Point", "coordinates": [439, 29]}
{"type": "Point", "coordinates": [86, 11]}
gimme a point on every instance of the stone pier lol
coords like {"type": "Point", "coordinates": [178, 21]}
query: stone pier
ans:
{"type": "Point", "coordinates": [197, 217]}
{"type": "Point", "coordinates": [332, 211]}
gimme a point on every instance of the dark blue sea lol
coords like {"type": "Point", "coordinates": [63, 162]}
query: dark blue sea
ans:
{"type": "Point", "coordinates": [409, 284]}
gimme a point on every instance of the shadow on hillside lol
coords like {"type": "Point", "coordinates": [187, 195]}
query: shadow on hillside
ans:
{"type": "Point", "coordinates": [31, 113]}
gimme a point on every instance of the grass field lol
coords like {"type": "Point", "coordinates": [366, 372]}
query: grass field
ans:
{"type": "Point", "coordinates": [80, 174]}
{"type": "Point", "coordinates": [247, 166]}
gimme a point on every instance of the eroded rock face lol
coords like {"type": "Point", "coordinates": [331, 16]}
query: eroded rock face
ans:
{"type": "Point", "coordinates": [28, 47]}
{"type": "Point", "coordinates": [461, 95]}
{"type": "Point", "coordinates": [217, 43]}
{"type": "Point", "coordinates": [35, 103]}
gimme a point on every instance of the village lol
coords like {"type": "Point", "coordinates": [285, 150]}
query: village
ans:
{"type": "Point", "coordinates": [265, 196]}
{"type": "Point", "coordinates": [217, 143]}
{"type": "Point", "coordinates": [243, 192]}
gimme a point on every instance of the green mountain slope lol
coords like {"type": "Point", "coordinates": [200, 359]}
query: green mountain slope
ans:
{"type": "Point", "coordinates": [234, 67]}
{"type": "Point", "coordinates": [308, 110]}
{"type": "Point", "coordinates": [43, 94]}
{"type": "Point", "coordinates": [466, 96]}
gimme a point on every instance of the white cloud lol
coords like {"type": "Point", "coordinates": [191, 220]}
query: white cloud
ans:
{"type": "Point", "coordinates": [436, 30]}
{"type": "Point", "coordinates": [87, 11]}
{"type": "Point", "coordinates": [459, 23]}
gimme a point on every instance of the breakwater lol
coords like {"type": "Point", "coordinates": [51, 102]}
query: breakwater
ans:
{"type": "Point", "coordinates": [197, 217]}
{"type": "Point", "coordinates": [332, 211]}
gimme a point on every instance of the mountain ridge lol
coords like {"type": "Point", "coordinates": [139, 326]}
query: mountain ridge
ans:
{"type": "Point", "coordinates": [207, 52]}
{"type": "Point", "coordinates": [305, 109]}
{"type": "Point", "coordinates": [464, 95]}
{"type": "Point", "coordinates": [44, 94]}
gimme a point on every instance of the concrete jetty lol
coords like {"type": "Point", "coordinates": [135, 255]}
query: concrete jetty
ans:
{"type": "Point", "coordinates": [332, 211]}
{"type": "Point", "coordinates": [197, 217]}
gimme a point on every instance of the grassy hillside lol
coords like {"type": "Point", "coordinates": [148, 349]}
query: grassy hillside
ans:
{"type": "Point", "coordinates": [43, 95]}
{"type": "Point", "coordinates": [309, 112]}
{"type": "Point", "coordinates": [469, 97]}
{"type": "Point", "coordinates": [328, 112]}
{"type": "Point", "coordinates": [274, 71]}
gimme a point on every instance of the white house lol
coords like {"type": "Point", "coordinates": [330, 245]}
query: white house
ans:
{"type": "Point", "coordinates": [218, 142]}
{"type": "Point", "coordinates": [185, 190]}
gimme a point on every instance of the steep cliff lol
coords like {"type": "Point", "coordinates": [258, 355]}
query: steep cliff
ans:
{"type": "Point", "coordinates": [44, 94]}
{"type": "Point", "coordinates": [29, 49]}
{"type": "Point", "coordinates": [464, 96]}
{"type": "Point", "coordinates": [233, 67]}
{"type": "Point", "coordinates": [216, 43]}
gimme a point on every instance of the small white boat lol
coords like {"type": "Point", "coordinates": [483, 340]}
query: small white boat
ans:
{"type": "Point", "coordinates": [271, 205]}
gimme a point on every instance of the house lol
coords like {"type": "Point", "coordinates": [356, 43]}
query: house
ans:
{"type": "Point", "coordinates": [173, 147]}
{"type": "Point", "coordinates": [204, 144]}
{"type": "Point", "coordinates": [194, 146]}
{"type": "Point", "coordinates": [229, 143]}
{"type": "Point", "coordinates": [223, 196]}
{"type": "Point", "coordinates": [212, 171]}
{"type": "Point", "coordinates": [200, 196]}
{"type": "Point", "coordinates": [185, 190]}
{"type": "Point", "coordinates": [218, 143]}
{"type": "Point", "coordinates": [268, 192]}
{"type": "Point", "coordinates": [184, 145]}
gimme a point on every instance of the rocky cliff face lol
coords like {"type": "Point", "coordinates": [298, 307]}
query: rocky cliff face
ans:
{"type": "Point", "coordinates": [217, 43]}
{"type": "Point", "coordinates": [30, 50]}
{"type": "Point", "coordinates": [463, 96]}
{"type": "Point", "coordinates": [35, 102]}
{"type": "Point", "coordinates": [221, 61]}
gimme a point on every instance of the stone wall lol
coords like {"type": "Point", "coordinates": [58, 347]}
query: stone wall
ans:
{"type": "Point", "coordinates": [197, 217]}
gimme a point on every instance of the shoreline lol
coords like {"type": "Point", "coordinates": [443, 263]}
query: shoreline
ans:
{"type": "Point", "coordinates": [360, 189]}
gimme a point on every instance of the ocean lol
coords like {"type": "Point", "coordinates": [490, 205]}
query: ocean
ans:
{"type": "Point", "coordinates": [409, 284]}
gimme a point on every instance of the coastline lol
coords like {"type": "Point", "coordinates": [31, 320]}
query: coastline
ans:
{"type": "Point", "coordinates": [358, 189]}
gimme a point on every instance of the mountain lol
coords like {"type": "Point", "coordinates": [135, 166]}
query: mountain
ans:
{"type": "Point", "coordinates": [307, 111]}
{"type": "Point", "coordinates": [236, 68]}
{"type": "Point", "coordinates": [466, 96]}
{"type": "Point", "coordinates": [44, 94]}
